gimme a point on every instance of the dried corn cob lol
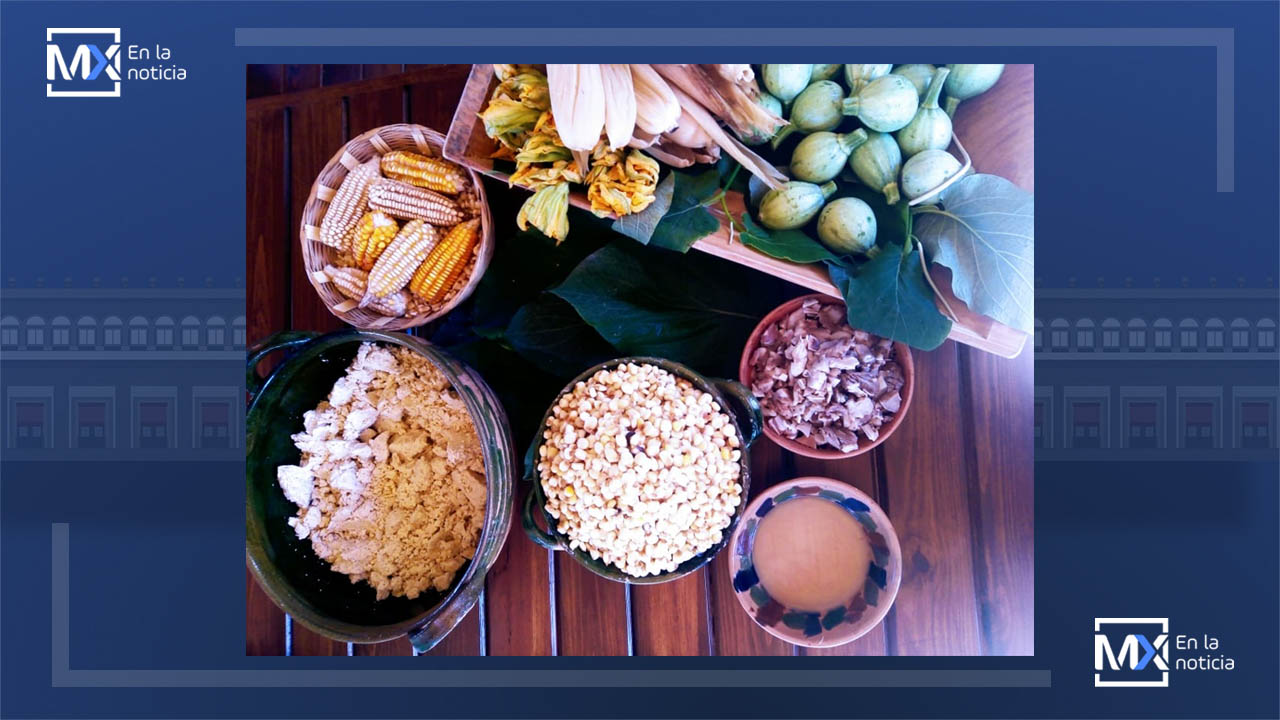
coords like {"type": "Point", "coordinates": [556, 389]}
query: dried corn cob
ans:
{"type": "Point", "coordinates": [413, 203]}
{"type": "Point", "coordinates": [426, 172]}
{"type": "Point", "coordinates": [373, 234]}
{"type": "Point", "coordinates": [402, 257]}
{"type": "Point", "coordinates": [442, 267]}
{"type": "Point", "coordinates": [469, 203]}
{"type": "Point", "coordinates": [347, 205]}
{"type": "Point", "coordinates": [353, 283]}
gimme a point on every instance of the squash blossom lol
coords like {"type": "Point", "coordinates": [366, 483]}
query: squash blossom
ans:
{"type": "Point", "coordinates": [623, 187]}
{"type": "Point", "coordinates": [548, 211]}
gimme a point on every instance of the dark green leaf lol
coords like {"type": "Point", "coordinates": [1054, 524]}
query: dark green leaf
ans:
{"type": "Point", "coordinates": [551, 335]}
{"type": "Point", "coordinates": [732, 175]}
{"type": "Point", "coordinates": [640, 226]}
{"type": "Point", "coordinates": [687, 221]}
{"type": "Point", "coordinates": [985, 232]}
{"type": "Point", "coordinates": [697, 310]}
{"type": "Point", "coordinates": [790, 245]}
{"type": "Point", "coordinates": [525, 391]}
{"type": "Point", "coordinates": [889, 296]}
{"type": "Point", "coordinates": [524, 264]}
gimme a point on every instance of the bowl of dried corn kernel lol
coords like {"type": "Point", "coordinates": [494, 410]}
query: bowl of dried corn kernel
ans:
{"type": "Point", "coordinates": [641, 468]}
{"type": "Point", "coordinates": [393, 235]}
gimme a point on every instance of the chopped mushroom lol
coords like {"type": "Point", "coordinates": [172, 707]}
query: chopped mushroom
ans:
{"type": "Point", "coordinates": [822, 383]}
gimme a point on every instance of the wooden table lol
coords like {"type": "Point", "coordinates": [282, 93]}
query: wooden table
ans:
{"type": "Point", "coordinates": [956, 478]}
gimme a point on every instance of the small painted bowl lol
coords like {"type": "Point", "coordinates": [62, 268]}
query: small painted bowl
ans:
{"type": "Point", "coordinates": [736, 400]}
{"type": "Point", "coordinates": [837, 625]}
{"type": "Point", "coordinates": [901, 353]}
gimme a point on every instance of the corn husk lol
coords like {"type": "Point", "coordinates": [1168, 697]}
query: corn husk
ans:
{"type": "Point", "coordinates": [756, 165]}
{"type": "Point", "coordinates": [578, 103]}
{"type": "Point", "coordinates": [723, 98]}
{"type": "Point", "coordinates": [620, 104]}
{"type": "Point", "coordinates": [657, 109]}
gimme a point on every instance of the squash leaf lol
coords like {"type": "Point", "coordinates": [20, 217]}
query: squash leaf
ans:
{"type": "Point", "coordinates": [699, 314]}
{"type": "Point", "coordinates": [985, 232]}
{"type": "Point", "coordinates": [684, 220]}
{"type": "Point", "coordinates": [790, 245]}
{"type": "Point", "coordinates": [889, 296]}
{"type": "Point", "coordinates": [553, 337]}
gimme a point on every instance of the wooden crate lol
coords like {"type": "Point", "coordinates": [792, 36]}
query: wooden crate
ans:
{"type": "Point", "coordinates": [468, 145]}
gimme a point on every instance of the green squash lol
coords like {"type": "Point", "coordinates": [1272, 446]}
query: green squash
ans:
{"type": "Point", "coordinates": [919, 75]}
{"type": "Point", "coordinates": [857, 76]}
{"type": "Point", "coordinates": [848, 225]}
{"type": "Point", "coordinates": [926, 171]}
{"type": "Point", "coordinates": [820, 156]}
{"type": "Point", "coordinates": [815, 109]}
{"type": "Point", "coordinates": [785, 82]}
{"type": "Point", "coordinates": [886, 104]}
{"type": "Point", "coordinates": [877, 163]}
{"type": "Point", "coordinates": [930, 129]}
{"type": "Point", "coordinates": [793, 205]}
{"type": "Point", "coordinates": [967, 81]}
{"type": "Point", "coordinates": [824, 72]}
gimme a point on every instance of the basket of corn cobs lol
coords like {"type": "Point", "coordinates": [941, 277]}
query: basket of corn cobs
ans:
{"type": "Point", "coordinates": [393, 235]}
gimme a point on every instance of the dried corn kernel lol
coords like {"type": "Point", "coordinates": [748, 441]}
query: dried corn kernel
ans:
{"type": "Point", "coordinates": [413, 203]}
{"type": "Point", "coordinates": [427, 172]}
{"type": "Point", "coordinates": [445, 263]}
{"type": "Point", "coordinates": [347, 205]}
{"type": "Point", "coordinates": [396, 266]}
{"type": "Point", "coordinates": [373, 234]}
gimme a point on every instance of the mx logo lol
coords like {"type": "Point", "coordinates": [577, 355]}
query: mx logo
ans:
{"type": "Point", "coordinates": [82, 62]}
{"type": "Point", "coordinates": [1131, 652]}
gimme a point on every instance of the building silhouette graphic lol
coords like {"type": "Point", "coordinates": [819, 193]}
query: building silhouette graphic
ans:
{"type": "Point", "coordinates": [98, 374]}
{"type": "Point", "coordinates": [103, 374]}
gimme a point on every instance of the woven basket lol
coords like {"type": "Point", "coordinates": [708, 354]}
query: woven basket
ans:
{"type": "Point", "coordinates": [316, 255]}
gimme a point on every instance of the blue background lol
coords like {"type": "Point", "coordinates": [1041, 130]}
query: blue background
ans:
{"type": "Point", "coordinates": [1125, 146]}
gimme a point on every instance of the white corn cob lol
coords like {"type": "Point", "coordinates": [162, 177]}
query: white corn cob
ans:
{"type": "Point", "coordinates": [410, 202]}
{"type": "Point", "coordinates": [348, 205]}
{"type": "Point", "coordinates": [396, 265]}
{"type": "Point", "coordinates": [353, 283]}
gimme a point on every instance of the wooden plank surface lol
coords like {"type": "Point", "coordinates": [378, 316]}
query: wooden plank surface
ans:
{"type": "Point", "coordinates": [734, 631]}
{"type": "Point", "coordinates": [1001, 495]}
{"type": "Point", "coordinates": [955, 479]}
{"type": "Point", "coordinates": [924, 470]}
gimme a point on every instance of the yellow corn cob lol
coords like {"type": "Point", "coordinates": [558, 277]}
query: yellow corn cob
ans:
{"type": "Point", "coordinates": [427, 172]}
{"type": "Point", "coordinates": [395, 267]}
{"type": "Point", "coordinates": [353, 283]}
{"type": "Point", "coordinates": [410, 202]}
{"type": "Point", "coordinates": [347, 205]}
{"type": "Point", "coordinates": [373, 234]}
{"type": "Point", "coordinates": [442, 267]}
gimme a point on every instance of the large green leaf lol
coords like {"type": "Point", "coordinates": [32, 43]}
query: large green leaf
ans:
{"type": "Point", "coordinates": [552, 336]}
{"type": "Point", "coordinates": [641, 226]}
{"type": "Point", "coordinates": [687, 219]}
{"type": "Point", "coordinates": [985, 232]}
{"type": "Point", "coordinates": [524, 264]}
{"type": "Point", "coordinates": [889, 296]}
{"type": "Point", "coordinates": [791, 245]}
{"type": "Point", "coordinates": [699, 313]}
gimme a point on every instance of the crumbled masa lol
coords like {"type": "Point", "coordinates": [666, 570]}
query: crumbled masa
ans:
{"type": "Point", "coordinates": [391, 487]}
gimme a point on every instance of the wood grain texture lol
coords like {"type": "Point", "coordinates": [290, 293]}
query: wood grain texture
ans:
{"type": "Point", "coordinates": [368, 72]}
{"type": "Point", "coordinates": [267, 258]}
{"type": "Point", "coordinates": [733, 631]}
{"type": "Point", "coordinates": [925, 472]}
{"type": "Point", "coordinates": [308, 642]}
{"type": "Point", "coordinates": [671, 618]}
{"type": "Point", "coordinates": [998, 127]}
{"type": "Point", "coordinates": [390, 648]}
{"type": "Point", "coordinates": [301, 77]}
{"type": "Point", "coordinates": [339, 74]}
{"type": "Point", "coordinates": [316, 133]}
{"type": "Point", "coordinates": [591, 612]}
{"type": "Point", "coordinates": [518, 589]}
{"type": "Point", "coordinates": [464, 639]}
{"type": "Point", "coordinates": [859, 472]}
{"type": "Point", "coordinates": [263, 80]}
{"type": "Point", "coordinates": [1002, 497]}
{"type": "Point", "coordinates": [432, 104]}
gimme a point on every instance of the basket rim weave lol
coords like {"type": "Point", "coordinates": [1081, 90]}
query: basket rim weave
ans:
{"type": "Point", "coordinates": [315, 255]}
